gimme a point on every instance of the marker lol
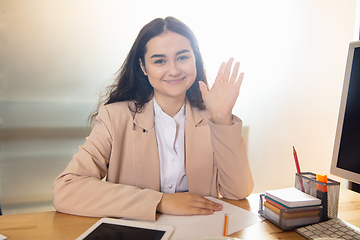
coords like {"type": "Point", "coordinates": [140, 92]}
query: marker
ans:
{"type": "Point", "coordinates": [298, 169]}
{"type": "Point", "coordinates": [225, 225]}
{"type": "Point", "coordinates": [321, 193]}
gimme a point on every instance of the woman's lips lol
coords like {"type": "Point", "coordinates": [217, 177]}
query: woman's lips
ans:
{"type": "Point", "coordinates": [175, 81]}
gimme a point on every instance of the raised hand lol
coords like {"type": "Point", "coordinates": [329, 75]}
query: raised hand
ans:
{"type": "Point", "coordinates": [221, 98]}
{"type": "Point", "coordinates": [186, 204]}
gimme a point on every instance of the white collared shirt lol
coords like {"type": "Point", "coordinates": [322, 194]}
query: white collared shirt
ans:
{"type": "Point", "coordinates": [170, 139]}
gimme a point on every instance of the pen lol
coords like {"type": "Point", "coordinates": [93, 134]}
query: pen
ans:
{"type": "Point", "coordinates": [298, 169]}
{"type": "Point", "coordinates": [225, 225]}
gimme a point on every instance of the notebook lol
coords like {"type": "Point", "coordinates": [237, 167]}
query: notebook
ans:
{"type": "Point", "coordinates": [292, 197]}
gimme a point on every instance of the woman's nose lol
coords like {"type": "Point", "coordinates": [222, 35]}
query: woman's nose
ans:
{"type": "Point", "coordinates": [174, 69]}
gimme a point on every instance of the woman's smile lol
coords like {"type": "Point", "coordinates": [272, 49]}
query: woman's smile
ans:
{"type": "Point", "coordinates": [175, 81]}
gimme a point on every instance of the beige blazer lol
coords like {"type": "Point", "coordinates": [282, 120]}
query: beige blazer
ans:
{"type": "Point", "coordinates": [122, 149]}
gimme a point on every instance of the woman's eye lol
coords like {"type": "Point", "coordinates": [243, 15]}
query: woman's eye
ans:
{"type": "Point", "coordinates": [160, 61]}
{"type": "Point", "coordinates": [182, 58]}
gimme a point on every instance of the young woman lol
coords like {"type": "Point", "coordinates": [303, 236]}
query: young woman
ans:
{"type": "Point", "coordinates": [162, 140]}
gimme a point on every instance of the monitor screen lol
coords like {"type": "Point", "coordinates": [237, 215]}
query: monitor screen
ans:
{"type": "Point", "coordinates": [346, 155]}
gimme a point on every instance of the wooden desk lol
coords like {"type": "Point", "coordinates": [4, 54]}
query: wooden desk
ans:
{"type": "Point", "coordinates": [54, 225]}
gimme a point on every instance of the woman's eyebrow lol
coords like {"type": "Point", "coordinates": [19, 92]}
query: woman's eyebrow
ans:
{"type": "Point", "coordinates": [182, 51]}
{"type": "Point", "coordinates": [158, 56]}
{"type": "Point", "coordinates": [163, 55]}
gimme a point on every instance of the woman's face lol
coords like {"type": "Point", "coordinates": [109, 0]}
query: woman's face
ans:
{"type": "Point", "coordinates": [170, 66]}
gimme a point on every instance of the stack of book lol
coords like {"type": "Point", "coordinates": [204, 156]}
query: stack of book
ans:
{"type": "Point", "coordinates": [290, 208]}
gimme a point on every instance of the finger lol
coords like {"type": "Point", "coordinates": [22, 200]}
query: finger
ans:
{"type": "Point", "coordinates": [239, 81]}
{"type": "Point", "coordinates": [204, 209]}
{"type": "Point", "coordinates": [235, 72]}
{"type": "Point", "coordinates": [206, 204]}
{"type": "Point", "coordinates": [220, 72]}
{"type": "Point", "coordinates": [227, 70]}
{"type": "Point", "coordinates": [213, 206]}
{"type": "Point", "coordinates": [203, 88]}
{"type": "Point", "coordinates": [201, 211]}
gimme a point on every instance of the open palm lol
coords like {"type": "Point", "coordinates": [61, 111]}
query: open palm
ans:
{"type": "Point", "coordinates": [221, 98]}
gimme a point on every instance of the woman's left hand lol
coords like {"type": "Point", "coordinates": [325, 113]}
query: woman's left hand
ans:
{"type": "Point", "coordinates": [221, 99]}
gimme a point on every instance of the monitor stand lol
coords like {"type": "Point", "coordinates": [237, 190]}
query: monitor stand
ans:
{"type": "Point", "coordinates": [354, 186]}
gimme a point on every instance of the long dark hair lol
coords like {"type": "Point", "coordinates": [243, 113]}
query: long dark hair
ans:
{"type": "Point", "coordinates": [132, 85]}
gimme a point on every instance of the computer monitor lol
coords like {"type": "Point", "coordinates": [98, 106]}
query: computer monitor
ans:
{"type": "Point", "coordinates": [346, 155]}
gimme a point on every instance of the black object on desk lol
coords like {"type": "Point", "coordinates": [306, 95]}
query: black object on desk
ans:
{"type": "Point", "coordinates": [322, 194]}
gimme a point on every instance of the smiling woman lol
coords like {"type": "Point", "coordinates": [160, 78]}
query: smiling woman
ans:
{"type": "Point", "coordinates": [163, 140]}
{"type": "Point", "coordinates": [52, 68]}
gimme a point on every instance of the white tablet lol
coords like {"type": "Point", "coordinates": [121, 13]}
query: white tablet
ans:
{"type": "Point", "coordinates": [109, 228]}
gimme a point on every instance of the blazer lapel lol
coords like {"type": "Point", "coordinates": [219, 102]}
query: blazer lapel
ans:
{"type": "Point", "coordinates": [145, 150]}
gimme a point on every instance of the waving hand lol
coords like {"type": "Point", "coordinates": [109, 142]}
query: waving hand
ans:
{"type": "Point", "coordinates": [221, 98]}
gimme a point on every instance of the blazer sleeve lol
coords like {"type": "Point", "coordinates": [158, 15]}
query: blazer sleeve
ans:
{"type": "Point", "coordinates": [81, 190]}
{"type": "Point", "coordinates": [234, 178]}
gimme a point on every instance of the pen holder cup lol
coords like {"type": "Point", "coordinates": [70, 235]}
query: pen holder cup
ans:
{"type": "Point", "coordinates": [327, 192]}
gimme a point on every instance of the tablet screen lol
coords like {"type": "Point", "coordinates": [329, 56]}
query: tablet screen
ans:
{"type": "Point", "coordinates": [118, 232]}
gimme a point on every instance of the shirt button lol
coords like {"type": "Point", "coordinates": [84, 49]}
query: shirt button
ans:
{"type": "Point", "coordinates": [170, 186]}
{"type": "Point", "coordinates": [173, 159]}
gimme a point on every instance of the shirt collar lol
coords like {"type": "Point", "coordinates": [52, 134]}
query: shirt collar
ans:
{"type": "Point", "coordinates": [165, 118]}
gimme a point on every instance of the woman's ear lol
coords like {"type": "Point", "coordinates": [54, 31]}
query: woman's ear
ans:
{"type": "Point", "coordinates": [142, 67]}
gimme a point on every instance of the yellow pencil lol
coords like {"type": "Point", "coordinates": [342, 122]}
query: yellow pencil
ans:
{"type": "Point", "coordinates": [225, 225]}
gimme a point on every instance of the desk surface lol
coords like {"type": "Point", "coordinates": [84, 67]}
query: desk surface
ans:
{"type": "Point", "coordinates": [54, 225]}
